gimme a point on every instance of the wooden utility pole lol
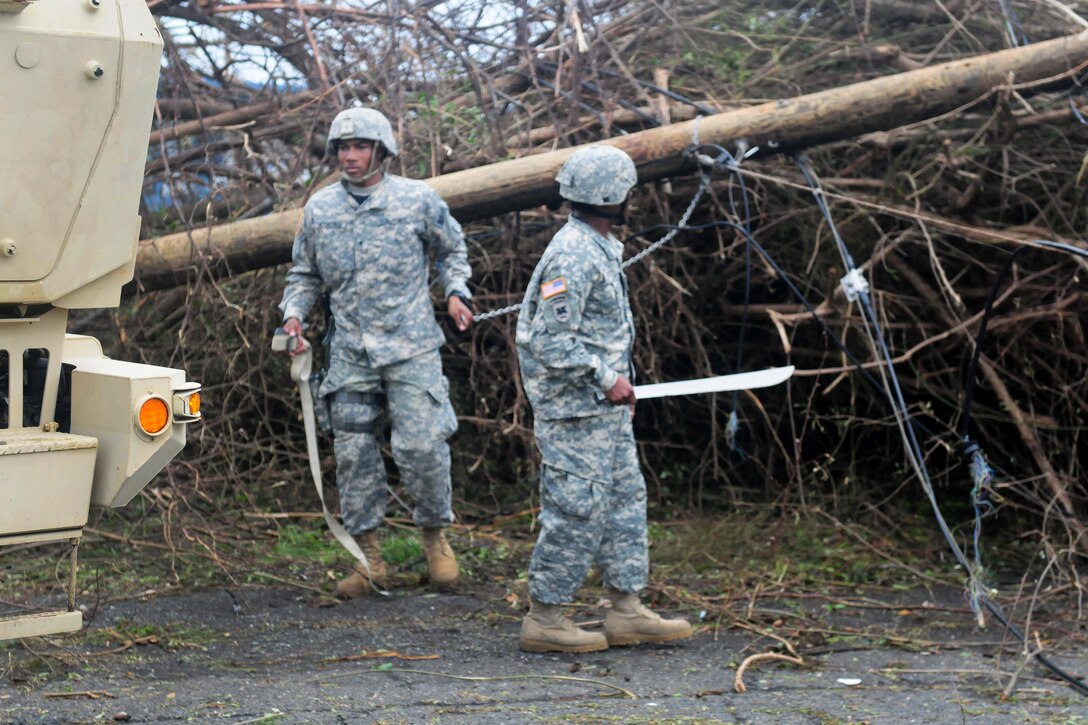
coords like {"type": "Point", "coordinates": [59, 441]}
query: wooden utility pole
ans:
{"type": "Point", "coordinates": [792, 123]}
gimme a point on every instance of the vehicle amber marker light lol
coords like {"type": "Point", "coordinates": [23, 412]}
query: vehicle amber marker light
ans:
{"type": "Point", "coordinates": [152, 415]}
{"type": "Point", "coordinates": [187, 403]}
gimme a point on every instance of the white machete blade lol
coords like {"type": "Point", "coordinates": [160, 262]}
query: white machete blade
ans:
{"type": "Point", "coordinates": [740, 381]}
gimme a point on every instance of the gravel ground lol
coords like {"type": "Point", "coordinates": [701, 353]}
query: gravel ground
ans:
{"type": "Point", "coordinates": [284, 656]}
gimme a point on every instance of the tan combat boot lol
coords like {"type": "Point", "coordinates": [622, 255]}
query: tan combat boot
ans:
{"type": "Point", "coordinates": [358, 584]}
{"type": "Point", "coordinates": [545, 629]}
{"type": "Point", "coordinates": [628, 622]}
{"type": "Point", "coordinates": [441, 563]}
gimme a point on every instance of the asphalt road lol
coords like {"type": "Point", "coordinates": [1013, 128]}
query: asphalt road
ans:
{"type": "Point", "coordinates": [283, 656]}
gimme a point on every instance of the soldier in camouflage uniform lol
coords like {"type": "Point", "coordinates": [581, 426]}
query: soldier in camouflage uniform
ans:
{"type": "Point", "coordinates": [574, 337]}
{"type": "Point", "coordinates": [365, 243]}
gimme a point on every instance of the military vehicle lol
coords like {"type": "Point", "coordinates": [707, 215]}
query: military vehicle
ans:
{"type": "Point", "coordinates": [77, 429]}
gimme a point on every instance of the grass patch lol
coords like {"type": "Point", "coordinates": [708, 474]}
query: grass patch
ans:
{"type": "Point", "coordinates": [402, 548]}
{"type": "Point", "coordinates": [752, 547]}
{"type": "Point", "coordinates": [295, 543]}
{"type": "Point", "coordinates": [804, 550]}
{"type": "Point", "coordinates": [172, 636]}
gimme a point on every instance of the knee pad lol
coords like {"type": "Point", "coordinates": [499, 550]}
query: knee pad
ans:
{"type": "Point", "coordinates": [352, 412]}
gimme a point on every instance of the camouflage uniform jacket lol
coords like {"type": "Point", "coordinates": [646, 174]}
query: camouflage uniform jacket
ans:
{"type": "Point", "coordinates": [371, 258]}
{"type": "Point", "coordinates": [575, 328]}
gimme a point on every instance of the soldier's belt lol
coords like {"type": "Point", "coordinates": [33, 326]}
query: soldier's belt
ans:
{"type": "Point", "coordinates": [352, 396]}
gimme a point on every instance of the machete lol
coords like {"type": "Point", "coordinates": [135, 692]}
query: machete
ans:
{"type": "Point", "coordinates": [738, 381]}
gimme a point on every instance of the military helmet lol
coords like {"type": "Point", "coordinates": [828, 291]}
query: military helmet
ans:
{"type": "Point", "coordinates": [598, 175]}
{"type": "Point", "coordinates": [364, 123]}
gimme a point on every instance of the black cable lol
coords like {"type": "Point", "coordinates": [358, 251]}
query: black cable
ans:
{"type": "Point", "coordinates": [652, 120]}
{"type": "Point", "coordinates": [982, 598]}
{"type": "Point", "coordinates": [743, 314]}
{"type": "Point", "coordinates": [972, 369]}
{"type": "Point", "coordinates": [584, 106]}
{"type": "Point", "coordinates": [729, 161]}
{"type": "Point", "coordinates": [967, 447]}
{"type": "Point", "coordinates": [857, 363]}
{"type": "Point", "coordinates": [912, 440]}
{"type": "Point", "coordinates": [591, 86]}
{"type": "Point", "coordinates": [909, 423]}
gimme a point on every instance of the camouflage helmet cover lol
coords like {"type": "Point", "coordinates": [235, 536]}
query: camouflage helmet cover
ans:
{"type": "Point", "coordinates": [597, 175]}
{"type": "Point", "coordinates": [364, 123]}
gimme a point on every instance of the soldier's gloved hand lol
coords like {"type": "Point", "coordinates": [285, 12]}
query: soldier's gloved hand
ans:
{"type": "Point", "coordinates": [460, 313]}
{"type": "Point", "coordinates": [622, 393]}
{"type": "Point", "coordinates": [294, 328]}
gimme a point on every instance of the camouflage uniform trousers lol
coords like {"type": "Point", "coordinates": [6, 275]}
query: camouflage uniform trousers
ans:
{"type": "Point", "coordinates": [592, 507]}
{"type": "Point", "coordinates": [417, 395]}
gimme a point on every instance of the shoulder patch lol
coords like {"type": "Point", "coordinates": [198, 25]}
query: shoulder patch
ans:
{"type": "Point", "coordinates": [561, 309]}
{"type": "Point", "coordinates": [555, 287]}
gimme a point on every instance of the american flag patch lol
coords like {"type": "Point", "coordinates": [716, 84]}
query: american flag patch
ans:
{"type": "Point", "coordinates": [551, 289]}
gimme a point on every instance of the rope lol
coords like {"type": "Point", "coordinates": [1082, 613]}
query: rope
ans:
{"type": "Point", "coordinates": [497, 313]}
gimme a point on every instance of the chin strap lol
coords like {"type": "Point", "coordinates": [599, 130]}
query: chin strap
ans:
{"type": "Point", "coordinates": [616, 217]}
{"type": "Point", "coordinates": [380, 168]}
{"type": "Point", "coordinates": [372, 169]}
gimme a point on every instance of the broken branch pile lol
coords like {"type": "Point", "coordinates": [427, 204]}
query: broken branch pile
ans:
{"type": "Point", "coordinates": [940, 149]}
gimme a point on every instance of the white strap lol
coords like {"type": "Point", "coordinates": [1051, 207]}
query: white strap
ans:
{"type": "Point", "coordinates": [301, 365]}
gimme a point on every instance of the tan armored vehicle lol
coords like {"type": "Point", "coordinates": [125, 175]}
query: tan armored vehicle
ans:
{"type": "Point", "coordinates": [77, 88]}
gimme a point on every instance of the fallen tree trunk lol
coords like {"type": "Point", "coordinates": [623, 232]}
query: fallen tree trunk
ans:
{"type": "Point", "coordinates": [229, 118]}
{"type": "Point", "coordinates": [621, 118]}
{"type": "Point", "coordinates": [795, 123]}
